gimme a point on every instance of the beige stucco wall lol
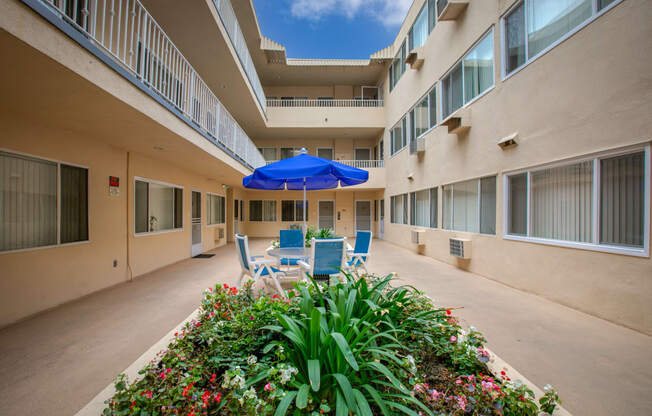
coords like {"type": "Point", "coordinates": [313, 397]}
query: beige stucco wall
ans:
{"type": "Point", "coordinates": [148, 252]}
{"type": "Point", "coordinates": [344, 204]}
{"type": "Point", "coordinates": [37, 279]}
{"type": "Point", "coordinates": [588, 94]}
{"type": "Point", "coordinates": [332, 117]}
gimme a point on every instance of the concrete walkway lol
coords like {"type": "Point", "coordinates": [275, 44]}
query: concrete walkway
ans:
{"type": "Point", "coordinates": [54, 363]}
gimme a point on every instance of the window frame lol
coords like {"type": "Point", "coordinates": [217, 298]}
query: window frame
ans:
{"type": "Point", "coordinates": [430, 125]}
{"type": "Point", "coordinates": [208, 195]}
{"type": "Point", "coordinates": [59, 201]}
{"type": "Point", "coordinates": [595, 244]}
{"type": "Point", "coordinates": [595, 13]}
{"type": "Point", "coordinates": [405, 217]}
{"type": "Point", "coordinates": [326, 148]}
{"type": "Point", "coordinates": [440, 213]}
{"type": "Point", "coordinates": [157, 182]}
{"type": "Point", "coordinates": [460, 62]}
{"type": "Point", "coordinates": [276, 151]}
{"type": "Point", "coordinates": [262, 214]}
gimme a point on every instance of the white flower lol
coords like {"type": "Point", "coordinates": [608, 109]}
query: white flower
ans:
{"type": "Point", "coordinates": [547, 387]}
{"type": "Point", "coordinates": [252, 360]}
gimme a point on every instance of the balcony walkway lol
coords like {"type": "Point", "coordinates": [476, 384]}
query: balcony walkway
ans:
{"type": "Point", "coordinates": [55, 362]}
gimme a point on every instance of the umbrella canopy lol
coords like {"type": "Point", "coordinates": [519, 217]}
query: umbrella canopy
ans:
{"type": "Point", "coordinates": [307, 171]}
{"type": "Point", "coordinates": [304, 172]}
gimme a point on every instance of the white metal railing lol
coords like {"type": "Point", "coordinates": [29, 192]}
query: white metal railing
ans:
{"type": "Point", "coordinates": [230, 22]}
{"type": "Point", "coordinates": [323, 103]}
{"type": "Point", "coordinates": [364, 164]}
{"type": "Point", "coordinates": [131, 37]}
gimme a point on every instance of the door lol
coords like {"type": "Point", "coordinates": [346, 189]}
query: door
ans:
{"type": "Point", "coordinates": [196, 245]}
{"type": "Point", "coordinates": [363, 215]}
{"type": "Point", "coordinates": [236, 211]}
{"type": "Point", "coordinates": [381, 224]}
{"type": "Point", "coordinates": [326, 214]}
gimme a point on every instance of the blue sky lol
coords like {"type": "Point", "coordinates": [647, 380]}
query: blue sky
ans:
{"type": "Point", "coordinates": [347, 29]}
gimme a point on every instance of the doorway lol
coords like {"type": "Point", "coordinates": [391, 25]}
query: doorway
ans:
{"type": "Point", "coordinates": [196, 244]}
{"type": "Point", "coordinates": [326, 214]}
{"type": "Point", "coordinates": [381, 224]}
{"type": "Point", "coordinates": [363, 215]}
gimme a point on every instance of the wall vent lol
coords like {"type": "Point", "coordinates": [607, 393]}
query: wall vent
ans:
{"type": "Point", "coordinates": [460, 247]}
{"type": "Point", "coordinates": [220, 233]}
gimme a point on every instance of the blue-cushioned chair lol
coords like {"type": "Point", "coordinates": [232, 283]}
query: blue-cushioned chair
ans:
{"type": "Point", "coordinates": [290, 238]}
{"type": "Point", "coordinates": [328, 257]}
{"type": "Point", "coordinates": [359, 255]}
{"type": "Point", "coordinates": [256, 266]}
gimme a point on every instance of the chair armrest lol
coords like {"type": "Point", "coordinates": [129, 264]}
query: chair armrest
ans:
{"type": "Point", "coordinates": [263, 261]}
{"type": "Point", "coordinates": [361, 254]}
{"type": "Point", "coordinates": [303, 265]}
{"type": "Point", "coordinates": [258, 256]}
{"type": "Point", "coordinates": [349, 250]}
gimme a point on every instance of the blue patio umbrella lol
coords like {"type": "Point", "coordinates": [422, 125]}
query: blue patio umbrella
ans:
{"type": "Point", "coordinates": [304, 172]}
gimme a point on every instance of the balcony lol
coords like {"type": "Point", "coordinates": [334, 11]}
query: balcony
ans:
{"type": "Point", "coordinates": [309, 113]}
{"type": "Point", "coordinates": [128, 34]}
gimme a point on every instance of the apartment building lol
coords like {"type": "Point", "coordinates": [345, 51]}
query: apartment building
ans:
{"type": "Point", "coordinates": [510, 138]}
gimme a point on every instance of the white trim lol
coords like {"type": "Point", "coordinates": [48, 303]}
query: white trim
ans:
{"type": "Point", "coordinates": [208, 225]}
{"type": "Point", "coordinates": [59, 200]}
{"type": "Point", "coordinates": [20, 250]}
{"type": "Point", "coordinates": [594, 15]}
{"type": "Point", "coordinates": [147, 180]}
{"type": "Point", "coordinates": [595, 245]}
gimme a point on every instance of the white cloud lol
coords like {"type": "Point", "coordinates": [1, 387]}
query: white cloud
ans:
{"type": "Point", "coordinates": [388, 12]}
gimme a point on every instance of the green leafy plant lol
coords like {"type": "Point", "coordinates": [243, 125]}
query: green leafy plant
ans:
{"type": "Point", "coordinates": [344, 344]}
{"type": "Point", "coordinates": [550, 399]}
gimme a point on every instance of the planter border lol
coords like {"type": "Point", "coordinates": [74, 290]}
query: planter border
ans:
{"type": "Point", "coordinates": [96, 405]}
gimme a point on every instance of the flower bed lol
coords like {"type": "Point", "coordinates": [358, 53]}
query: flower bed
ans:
{"type": "Point", "coordinates": [361, 347]}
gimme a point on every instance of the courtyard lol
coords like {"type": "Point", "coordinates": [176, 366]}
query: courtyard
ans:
{"type": "Point", "coordinates": [56, 362]}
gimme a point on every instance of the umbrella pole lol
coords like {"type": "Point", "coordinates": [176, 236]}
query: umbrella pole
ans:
{"type": "Point", "coordinates": [304, 207]}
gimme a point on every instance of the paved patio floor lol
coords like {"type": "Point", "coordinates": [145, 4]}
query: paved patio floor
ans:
{"type": "Point", "coordinates": [55, 362]}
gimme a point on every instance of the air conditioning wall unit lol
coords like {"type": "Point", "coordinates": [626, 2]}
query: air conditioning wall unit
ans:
{"type": "Point", "coordinates": [460, 247]}
{"type": "Point", "coordinates": [418, 237]}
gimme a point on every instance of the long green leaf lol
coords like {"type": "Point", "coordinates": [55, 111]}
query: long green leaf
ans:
{"type": "Point", "coordinates": [341, 409]}
{"type": "Point", "coordinates": [375, 396]}
{"type": "Point", "coordinates": [347, 390]}
{"type": "Point", "coordinates": [302, 396]}
{"type": "Point", "coordinates": [363, 404]}
{"type": "Point", "coordinates": [345, 349]}
{"type": "Point", "coordinates": [390, 376]}
{"type": "Point", "coordinates": [282, 408]}
{"type": "Point", "coordinates": [314, 374]}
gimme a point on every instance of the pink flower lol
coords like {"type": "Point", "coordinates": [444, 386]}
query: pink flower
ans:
{"type": "Point", "coordinates": [453, 338]}
{"type": "Point", "coordinates": [268, 387]}
{"type": "Point", "coordinates": [251, 318]}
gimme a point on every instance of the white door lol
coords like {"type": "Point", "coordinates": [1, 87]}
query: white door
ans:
{"type": "Point", "coordinates": [196, 245]}
{"type": "Point", "coordinates": [236, 211]}
{"type": "Point", "coordinates": [363, 215]}
{"type": "Point", "coordinates": [326, 214]}
{"type": "Point", "coordinates": [381, 233]}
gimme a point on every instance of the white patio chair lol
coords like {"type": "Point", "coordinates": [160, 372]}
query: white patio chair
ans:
{"type": "Point", "coordinates": [357, 258]}
{"type": "Point", "coordinates": [327, 259]}
{"type": "Point", "coordinates": [256, 266]}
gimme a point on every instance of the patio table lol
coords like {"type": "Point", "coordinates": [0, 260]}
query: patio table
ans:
{"type": "Point", "coordinates": [300, 253]}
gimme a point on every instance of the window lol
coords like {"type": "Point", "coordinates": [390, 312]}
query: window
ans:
{"type": "Point", "coordinates": [420, 208]}
{"type": "Point", "coordinates": [469, 78]}
{"type": "Point", "coordinates": [293, 210]}
{"type": "Point", "coordinates": [434, 208]}
{"type": "Point", "coordinates": [269, 153]}
{"type": "Point", "coordinates": [533, 26]}
{"type": "Point", "coordinates": [559, 203]}
{"type": "Point", "coordinates": [33, 212]}
{"type": "Point", "coordinates": [419, 31]}
{"type": "Point", "coordinates": [398, 135]}
{"type": "Point", "coordinates": [362, 153]}
{"type": "Point", "coordinates": [158, 206]}
{"type": "Point", "coordinates": [432, 13]}
{"type": "Point", "coordinates": [215, 208]}
{"type": "Point", "coordinates": [470, 206]}
{"type": "Point", "coordinates": [262, 210]}
{"type": "Point", "coordinates": [325, 153]}
{"type": "Point", "coordinates": [399, 209]}
{"type": "Point", "coordinates": [287, 152]}
{"type": "Point", "coordinates": [398, 67]}
{"type": "Point", "coordinates": [424, 115]}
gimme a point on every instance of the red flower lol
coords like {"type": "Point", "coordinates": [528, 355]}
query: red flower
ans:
{"type": "Point", "coordinates": [213, 377]}
{"type": "Point", "coordinates": [226, 286]}
{"type": "Point", "coordinates": [448, 312]}
{"type": "Point", "coordinates": [198, 324]}
{"type": "Point", "coordinates": [218, 397]}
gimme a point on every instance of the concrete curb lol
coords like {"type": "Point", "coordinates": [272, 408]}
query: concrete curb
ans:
{"type": "Point", "coordinates": [96, 405]}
